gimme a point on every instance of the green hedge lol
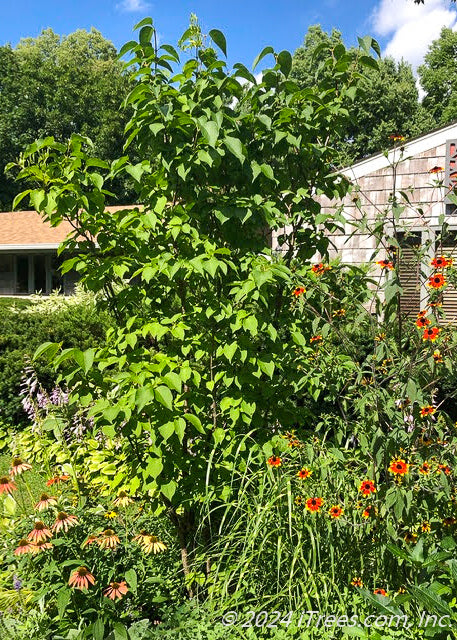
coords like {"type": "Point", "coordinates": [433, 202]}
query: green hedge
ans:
{"type": "Point", "coordinates": [25, 324]}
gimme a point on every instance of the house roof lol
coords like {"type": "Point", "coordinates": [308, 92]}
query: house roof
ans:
{"type": "Point", "coordinates": [20, 230]}
{"type": "Point", "coordinates": [411, 148]}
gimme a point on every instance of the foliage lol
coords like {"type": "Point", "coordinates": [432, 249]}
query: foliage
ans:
{"type": "Point", "coordinates": [24, 325]}
{"type": "Point", "coordinates": [52, 85]}
{"type": "Point", "coordinates": [439, 79]}
{"type": "Point", "coordinates": [386, 103]}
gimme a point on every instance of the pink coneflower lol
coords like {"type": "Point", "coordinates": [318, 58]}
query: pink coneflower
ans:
{"type": "Point", "coordinates": [108, 539]}
{"type": "Point", "coordinates": [81, 578]}
{"type": "Point", "coordinates": [7, 485]}
{"type": "Point", "coordinates": [39, 532]}
{"type": "Point", "coordinates": [18, 467]}
{"type": "Point", "coordinates": [45, 502]}
{"type": "Point", "coordinates": [24, 546]}
{"type": "Point", "coordinates": [64, 521]}
{"type": "Point", "coordinates": [116, 590]}
{"type": "Point", "coordinates": [122, 499]}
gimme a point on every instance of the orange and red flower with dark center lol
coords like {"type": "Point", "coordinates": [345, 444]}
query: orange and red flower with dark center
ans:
{"type": "Point", "coordinates": [427, 411]}
{"type": "Point", "coordinates": [335, 511]}
{"type": "Point", "coordinates": [446, 469]}
{"type": "Point", "coordinates": [380, 592]}
{"type": "Point", "coordinates": [385, 264]}
{"type": "Point", "coordinates": [431, 333]}
{"type": "Point", "coordinates": [397, 137]}
{"type": "Point", "coordinates": [436, 281]}
{"type": "Point", "coordinates": [304, 473]}
{"type": "Point", "coordinates": [299, 291]}
{"type": "Point", "coordinates": [422, 322]}
{"type": "Point", "coordinates": [314, 504]}
{"type": "Point", "coordinates": [367, 487]}
{"type": "Point", "coordinates": [57, 480]}
{"type": "Point", "coordinates": [441, 262]}
{"type": "Point", "coordinates": [425, 468]}
{"type": "Point", "coordinates": [437, 357]}
{"type": "Point", "coordinates": [399, 467]}
{"type": "Point", "coordinates": [274, 461]}
{"type": "Point", "coordinates": [317, 338]}
{"type": "Point", "coordinates": [320, 268]}
{"type": "Point", "coordinates": [436, 169]}
{"type": "Point", "coordinates": [357, 582]}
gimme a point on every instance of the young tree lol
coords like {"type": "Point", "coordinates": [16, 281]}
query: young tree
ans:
{"type": "Point", "coordinates": [209, 347]}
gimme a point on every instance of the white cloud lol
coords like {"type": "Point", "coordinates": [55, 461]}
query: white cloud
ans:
{"type": "Point", "coordinates": [411, 28]}
{"type": "Point", "coordinates": [132, 6]}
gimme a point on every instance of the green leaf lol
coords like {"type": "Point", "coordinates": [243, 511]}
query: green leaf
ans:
{"type": "Point", "coordinates": [131, 579]}
{"type": "Point", "coordinates": [218, 38]}
{"type": "Point", "coordinates": [120, 632]}
{"type": "Point", "coordinates": [267, 367]}
{"type": "Point", "coordinates": [98, 630]}
{"type": "Point", "coordinates": [49, 349]}
{"type": "Point", "coordinates": [142, 23]}
{"type": "Point", "coordinates": [144, 396]}
{"type": "Point", "coordinates": [430, 599]}
{"type": "Point", "coordinates": [166, 430]}
{"type": "Point", "coordinates": [169, 489]}
{"type": "Point", "coordinates": [285, 62]}
{"type": "Point", "coordinates": [261, 55]}
{"type": "Point", "coordinates": [154, 467]}
{"type": "Point", "coordinates": [173, 381]}
{"type": "Point", "coordinates": [195, 422]}
{"type": "Point", "coordinates": [234, 146]}
{"type": "Point", "coordinates": [164, 396]}
{"type": "Point", "coordinates": [63, 598]}
{"type": "Point", "coordinates": [146, 34]}
{"type": "Point", "coordinates": [210, 131]}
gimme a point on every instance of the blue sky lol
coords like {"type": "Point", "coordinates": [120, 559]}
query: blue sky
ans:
{"type": "Point", "coordinates": [402, 28]}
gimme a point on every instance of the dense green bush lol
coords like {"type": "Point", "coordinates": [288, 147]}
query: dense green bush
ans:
{"type": "Point", "coordinates": [25, 324]}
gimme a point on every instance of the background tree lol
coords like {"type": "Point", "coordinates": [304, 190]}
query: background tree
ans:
{"type": "Point", "coordinates": [438, 77]}
{"type": "Point", "coordinates": [387, 101]}
{"type": "Point", "coordinates": [52, 85]}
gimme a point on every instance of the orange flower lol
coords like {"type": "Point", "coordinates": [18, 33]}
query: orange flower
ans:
{"type": "Point", "coordinates": [437, 357]}
{"type": "Point", "coordinates": [90, 539]}
{"type": "Point", "coordinates": [369, 511]}
{"type": "Point", "coordinates": [116, 590]}
{"type": "Point", "coordinates": [445, 469]}
{"type": "Point", "coordinates": [320, 268]}
{"type": "Point", "coordinates": [57, 480]}
{"type": "Point", "coordinates": [304, 473]}
{"type": "Point", "coordinates": [357, 582]}
{"type": "Point", "coordinates": [425, 468]}
{"type": "Point", "coordinates": [435, 305]}
{"type": "Point", "coordinates": [335, 511]}
{"type": "Point", "coordinates": [380, 592]}
{"type": "Point", "coordinates": [18, 467]}
{"type": "Point", "coordinates": [108, 539]}
{"type": "Point", "coordinates": [314, 504]}
{"type": "Point", "coordinates": [436, 169]}
{"type": "Point", "coordinates": [441, 262]}
{"type": "Point", "coordinates": [386, 264]}
{"type": "Point", "coordinates": [45, 502]}
{"type": "Point", "coordinates": [431, 333]}
{"type": "Point", "coordinates": [24, 546]}
{"type": "Point", "coordinates": [81, 578]}
{"type": "Point", "coordinates": [6, 485]}
{"type": "Point", "coordinates": [367, 487]}
{"type": "Point", "coordinates": [274, 461]}
{"type": "Point", "coordinates": [299, 291]}
{"type": "Point", "coordinates": [122, 499]}
{"type": "Point", "coordinates": [397, 137]}
{"type": "Point", "coordinates": [39, 532]}
{"type": "Point", "coordinates": [422, 313]}
{"type": "Point", "coordinates": [425, 527]}
{"type": "Point", "coordinates": [422, 322]}
{"type": "Point", "coordinates": [436, 281]}
{"type": "Point", "coordinates": [399, 467]}
{"type": "Point", "coordinates": [64, 521]}
{"type": "Point", "coordinates": [317, 338]}
{"type": "Point", "coordinates": [427, 411]}
{"type": "Point", "coordinates": [339, 313]}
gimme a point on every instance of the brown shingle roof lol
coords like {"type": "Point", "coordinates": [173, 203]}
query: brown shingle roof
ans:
{"type": "Point", "coordinates": [28, 229]}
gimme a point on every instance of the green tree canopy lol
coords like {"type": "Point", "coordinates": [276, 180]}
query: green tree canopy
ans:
{"type": "Point", "coordinates": [386, 103]}
{"type": "Point", "coordinates": [52, 85]}
{"type": "Point", "coordinates": [438, 77]}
